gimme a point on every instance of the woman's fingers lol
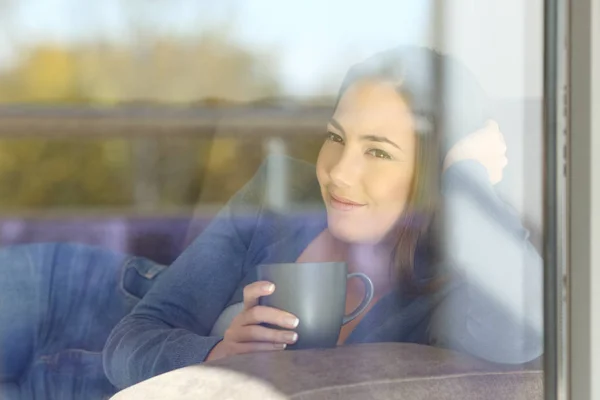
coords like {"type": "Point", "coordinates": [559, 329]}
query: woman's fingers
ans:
{"type": "Point", "coordinates": [244, 348]}
{"type": "Point", "coordinates": [497, 134]}
{"type": "Point", "coordinates": [256, 290]}
{"type": "Point", "coordinates": [268, 315]}
{"type": "Point", "coordinates": [247, 335]}
{"type": "Point", "coordinates": [257, 333]}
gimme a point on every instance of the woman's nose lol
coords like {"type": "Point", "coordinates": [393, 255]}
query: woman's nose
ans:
{"type": "Point", "coordinates": [346, 171]}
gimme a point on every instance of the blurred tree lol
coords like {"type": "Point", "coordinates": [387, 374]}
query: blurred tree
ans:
{"type": "Point", "coordinates": [49, 74]}
{"type": "Point", "coordinates": [172, 71]}
{"type": "Point", "coordinates": [232, 162]}
{"type": "Point", "coordinates": [37, 173]}
{"type": "Point", "coordinates": [210, 70]}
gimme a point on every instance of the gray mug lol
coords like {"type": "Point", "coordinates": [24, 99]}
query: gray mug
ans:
{"type": "Point", "coordinates": [316, 294]}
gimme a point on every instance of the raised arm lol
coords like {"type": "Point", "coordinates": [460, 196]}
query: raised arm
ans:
{"type": "Point", "coordinates": [496, 313]}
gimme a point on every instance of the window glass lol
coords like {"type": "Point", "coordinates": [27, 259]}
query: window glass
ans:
{"type": "Point", "coordinates": [402, 138]}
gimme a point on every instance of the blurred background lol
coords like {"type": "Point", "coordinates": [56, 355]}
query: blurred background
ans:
{"type": "Point", "coordinates": [122, 119]}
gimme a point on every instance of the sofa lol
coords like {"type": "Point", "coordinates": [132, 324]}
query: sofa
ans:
{"type": "Point", "coordinates": [383, 371]}
{"type": "Point", "coordinates": [388, 371]}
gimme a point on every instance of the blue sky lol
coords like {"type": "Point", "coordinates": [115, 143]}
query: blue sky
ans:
{"type": "Point", "coordinates": [316, 40]}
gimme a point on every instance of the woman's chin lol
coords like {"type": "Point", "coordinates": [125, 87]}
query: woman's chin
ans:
{"type": "Point", "coordinates": [351, 233]}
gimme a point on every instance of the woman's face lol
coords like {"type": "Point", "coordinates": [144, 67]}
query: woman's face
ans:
{"type": "Point", "coordinates": [366, 165]}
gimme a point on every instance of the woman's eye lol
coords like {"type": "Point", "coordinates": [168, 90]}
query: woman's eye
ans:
{"type": "Point", "coordinates": [334, 137]}
{"type": "Point", "coordinates": [379, 154]}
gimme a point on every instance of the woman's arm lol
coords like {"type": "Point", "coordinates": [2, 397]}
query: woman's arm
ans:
{"type": "Point", "coordinates": [169, 327]}
{"type": "Point", "coordinates": [497, 313]}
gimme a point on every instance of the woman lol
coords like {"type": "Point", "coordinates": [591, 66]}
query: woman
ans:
{"type": "Point", "coordinates": [375, 176]}
{"type": "Point", "coordinates": [478, 292]}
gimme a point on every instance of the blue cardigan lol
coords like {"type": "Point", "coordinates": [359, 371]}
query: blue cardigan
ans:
{"type": "Point", "coordinates": [492, 309]}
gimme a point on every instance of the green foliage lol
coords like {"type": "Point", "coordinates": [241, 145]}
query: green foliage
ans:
{"type": "Point", "coordinates": [39, 173]}
{"type": "Point", "coordinates": [36, 173]}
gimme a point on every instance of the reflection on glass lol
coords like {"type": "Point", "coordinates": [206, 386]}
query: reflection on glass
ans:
{"type": "Point", "coordinates": [153, 158]}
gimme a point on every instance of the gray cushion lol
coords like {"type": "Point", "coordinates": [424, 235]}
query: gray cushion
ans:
{"type": "Point", "coordinates": [387, 371]}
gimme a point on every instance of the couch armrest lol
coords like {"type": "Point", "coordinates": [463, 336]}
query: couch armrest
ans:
{"type": "Point", "coordinates": [387, 371]}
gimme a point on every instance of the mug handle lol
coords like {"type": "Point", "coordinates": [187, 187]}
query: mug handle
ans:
{"type": "Point", "coordinates": [366, 300]}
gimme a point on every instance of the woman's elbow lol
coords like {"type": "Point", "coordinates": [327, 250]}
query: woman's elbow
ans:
{"type": "Point", "coordinates": [517, 349]}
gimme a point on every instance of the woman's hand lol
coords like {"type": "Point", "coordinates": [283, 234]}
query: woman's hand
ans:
{"type": "Point", "coordinates": [246, 335]}
{"type": "Point", "coordinates": [486, 146]}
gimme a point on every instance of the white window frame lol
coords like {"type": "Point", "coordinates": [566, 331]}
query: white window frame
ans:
{"type": "Point", "coordinates": [584, 199]}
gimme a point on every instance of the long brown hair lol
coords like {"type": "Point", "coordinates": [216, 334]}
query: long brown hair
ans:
{"type": "Point", "coordinates": [412, 70]}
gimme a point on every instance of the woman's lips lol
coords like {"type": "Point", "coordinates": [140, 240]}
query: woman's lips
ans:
{"type": "Point", "coordinates": [342, 204]}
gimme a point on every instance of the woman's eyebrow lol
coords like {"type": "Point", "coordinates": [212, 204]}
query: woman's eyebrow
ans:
{"type": "Point", "coordinates": [371, 138]}
{"type": "Point", "coordinates": [337, 125]}
{"type": "Point", "coordinates": [380, 139]}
